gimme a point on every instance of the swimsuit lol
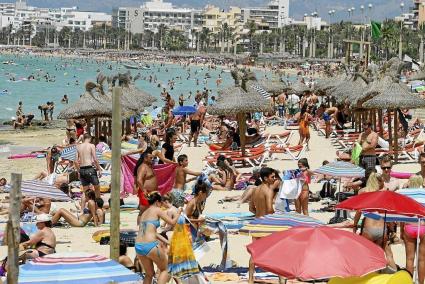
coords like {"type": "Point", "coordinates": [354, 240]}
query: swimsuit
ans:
{"type": "Point", "coordinates": [144, 248]}
{"type": "Point", "coordinates": [42, 244]}
{"type": "Point", "coordinates": [142, 198]}
{"type": "Point", "coordinates": [326, 117]}
{"type": "Point", "coordinates": [412, 230]}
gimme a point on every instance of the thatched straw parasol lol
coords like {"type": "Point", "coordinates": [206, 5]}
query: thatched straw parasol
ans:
{"type": "Point", "coordinates": [93, 103]}
{"type": "Point", "coordinates": [132, 97]}
{"type": "Point", "coordinates": [275, 87]}
{"type": "Point", "coordinates": [235, 101]}
{"type": "Point", "coordinates": [299, 88]}
{"type": "Point", "coordinates": [393, 96]}
{"type": "Point", "coordinates": [348, 90]}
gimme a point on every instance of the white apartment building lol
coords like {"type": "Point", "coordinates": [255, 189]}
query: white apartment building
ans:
{"type": "Point", "coordinates": [152, 14]}
{"type": "Point", "coordinates": [84, 21]}
{"type": "Point", "coordinates": [7, 14]}
{"type": "Point", "coordinates": [275, 14]}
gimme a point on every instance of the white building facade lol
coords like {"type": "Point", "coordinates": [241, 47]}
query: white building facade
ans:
{"type": "Point", "coordinates": [275, 14]}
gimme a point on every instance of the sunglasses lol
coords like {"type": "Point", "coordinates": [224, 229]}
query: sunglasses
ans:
{"type": "Point", "coordinates": [386, 168]}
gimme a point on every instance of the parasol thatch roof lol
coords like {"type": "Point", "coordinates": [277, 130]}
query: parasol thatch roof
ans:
{"type": "Point", "coordinates": [234, 100]}
{"type": "Point", "coordinates": [272, 86]}
{"type": "Point", "coordinates": [93, 103]}
{"type": "Point", "coordinates": [352, 90]}
{"type": "Point", "coordinates": [299, 88]}
{"type": "Point", "coordinates": [132, 98]}
{"type": "Point", "coordinates": [394, 95]}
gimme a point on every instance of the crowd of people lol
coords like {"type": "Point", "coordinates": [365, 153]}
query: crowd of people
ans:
{"type": "Point", "coordinates": [157, 141]}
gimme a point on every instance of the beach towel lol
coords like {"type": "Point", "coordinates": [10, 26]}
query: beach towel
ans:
{"type": "Point", "coordinates": [355, 154]}
{"type": "Point", "coordinates": [165, 174]}
{"type": "Point", "coordinates": [217, 226]}
{"type": "Point", "coordinates": [181, 258]}
{"type": "Point", "coordinates": [401, 277]}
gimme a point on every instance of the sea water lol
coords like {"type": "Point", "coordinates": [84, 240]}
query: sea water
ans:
{"type": "Point", "coordinates": [55, 77]}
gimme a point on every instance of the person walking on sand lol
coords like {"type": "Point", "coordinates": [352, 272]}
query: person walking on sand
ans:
{"type": "Point", "coordinates": [88, 166]}
{"type": "Point", "coordinates": [261, 204]}
{"type": "Point", "coordinates": [177, 194]}
{"type": "Point", "coordinates": [195, 127]}
{"type": "Point", "coordinates": [368, 140]}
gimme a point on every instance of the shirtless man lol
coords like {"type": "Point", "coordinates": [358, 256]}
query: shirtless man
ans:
{"type": "Point", "coordinates": [177, 194]}
{"type": "Point", "coordinates": [368, 140]}
{"type": "Point", "coordinates": [88, 166]}
{"type": "Point", "coordinates": [195, 126]}
{"type": "Point", "coordinates": [327, 117]}
{"type": "Point", "coordinates": [261, 203]}
{"type": "Point", "coordinates": [146, 181]}
{"type": "Point", "coordinates": [38, 205]}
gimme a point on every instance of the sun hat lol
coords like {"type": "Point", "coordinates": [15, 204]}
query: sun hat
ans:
{"type": "Point", "coordinates": [43, 218]}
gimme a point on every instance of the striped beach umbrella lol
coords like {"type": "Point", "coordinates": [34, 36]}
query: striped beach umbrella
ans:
{"type": "Point", "coordinates": [341, 169]}
{"type": "Point", "coordinates": [70, 153]}
{"type": "Point", "coordinates": [70, 268]}
{"type": "Point", "coordinates": [272, 223]}
{"type": "Point", "coordinates": [35, 188]}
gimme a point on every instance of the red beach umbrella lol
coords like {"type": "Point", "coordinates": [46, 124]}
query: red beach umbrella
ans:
{"type": "Point", "coordinates": [317, 253]}
{"type": "Point", "coordinates": [385, 202]}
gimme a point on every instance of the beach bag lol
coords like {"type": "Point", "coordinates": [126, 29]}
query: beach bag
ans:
{"type": "Point", "coordinates": [355, 154]}
{"type": "Point", "coordinates": [291, 189]}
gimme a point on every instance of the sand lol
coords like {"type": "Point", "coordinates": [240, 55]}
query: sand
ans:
{"type": "Point", "coordinates": [79, 239]}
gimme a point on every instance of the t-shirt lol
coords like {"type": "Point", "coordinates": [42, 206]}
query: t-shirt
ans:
{"type": "Point", "coordinates": [169, 152]}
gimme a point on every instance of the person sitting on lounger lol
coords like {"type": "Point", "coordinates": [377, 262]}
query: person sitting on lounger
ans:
{"type": "Point", "coordinates": [44, 241]}
{"type": "Point", "coordinates": [93, 212]}
{"type": "Point", "coordinates": [227, 180]}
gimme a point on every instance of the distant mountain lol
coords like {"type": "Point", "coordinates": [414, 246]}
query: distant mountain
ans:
{"type": "Point", "coordinates": [381, 8]}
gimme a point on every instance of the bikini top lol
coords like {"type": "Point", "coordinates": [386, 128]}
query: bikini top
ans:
{"type": "Point", "coordinates": [152, 222]}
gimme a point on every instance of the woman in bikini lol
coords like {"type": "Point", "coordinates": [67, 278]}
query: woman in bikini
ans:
{"type": "Point", "coordinates": [44, 241]}
{"type": "Point", "coordinates": [147, 245]}
{"type": "Point", "coordinates": [304, 129]}
{"type": "Point", "coordinates": [301, 203]}
{"type": "Point", "coordinates": [371, 229]}
{"type": "Point", "coordinates": [93, 212]}
{"type": "Point", "coordinates": [195, 207]}
{"type": "Point", "coordinates": [409, 233]}
{"type": "Point", "coordinates": [227, 180]}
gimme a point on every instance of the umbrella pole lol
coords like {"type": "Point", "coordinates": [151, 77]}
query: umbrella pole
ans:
{"type": "Point", "coordinates": [33, 209]}
{"type": "Point", "coordinates": [116, 173]}
{"type": "Point", "coordinates": [395, 136]}
{"type": "Point", "coordinates": [383, 234]}
{"type": "Point", "coordinates": [390, 135]}
{"type": "Point", "coordinates": [415, 273]}
{"type": "Point", "coordinates": [380, 123]}
{"type": "Point", "coordinates": [242, 129]}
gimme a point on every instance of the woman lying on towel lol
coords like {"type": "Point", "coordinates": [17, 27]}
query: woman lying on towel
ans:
{"type": "Point", "coordinates": [94, 212]}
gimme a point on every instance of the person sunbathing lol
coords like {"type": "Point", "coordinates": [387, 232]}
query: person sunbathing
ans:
{"type": "Point", "coordinates": [44, 241]}
{"type": "Point", "coordinates": [227, 179]}
{"type": "Point", "coordinates": [57, 179]}
{"type": "Point", "coordinates": [94, 212]}
{"type": "Point", "coordinates": [36, 205]}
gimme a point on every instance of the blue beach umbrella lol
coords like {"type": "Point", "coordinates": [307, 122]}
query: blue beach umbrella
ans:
{"type": "Point", "coordinates": [35, 188]}
{"type": "Point", "coordinates": [70, 268]}
{"type": "Point", "coordinates": [341, 169]}
{"type": "Point", "coordinates": [184, 110]}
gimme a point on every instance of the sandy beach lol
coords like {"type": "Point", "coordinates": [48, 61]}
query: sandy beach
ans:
{"type": "Point", "coordinates": [79, 239]}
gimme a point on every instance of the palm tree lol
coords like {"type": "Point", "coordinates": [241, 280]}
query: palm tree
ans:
{"type": "Point", "coordinates": [205, 38]}
{"type": "Point", "coordinates": [252, 28]}
{"type": "Point", "coordinates": [389, 37]}
{"type": "Point", "coordinates": [162, 29]}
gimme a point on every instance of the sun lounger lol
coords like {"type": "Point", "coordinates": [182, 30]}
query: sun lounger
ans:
{"type": "Point", "coordinates": [290, 151]}
{"type": "Point", "coordinates": [283, 137]}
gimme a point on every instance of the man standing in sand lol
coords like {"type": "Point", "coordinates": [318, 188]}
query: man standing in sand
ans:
{"type": "Point", "coordinates": [177, 194]}
{"type": "Point", "coordinates": [368, 140]}
{"type": "Point", "coordinates": [281, 102]}
{"type": "Point", "coordinates": [88, 166]}
{"type": "Point", "coordinates": [195, 127]}
{"type": "Point", "coordinates": [261, 204]}
{"type": "Point", "coordinates": [146, 180]}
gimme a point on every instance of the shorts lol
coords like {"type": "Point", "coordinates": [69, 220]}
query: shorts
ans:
{"type": "Point", "coordinates": [177, 197]}
{"type": "Point", "coordinates": [88, 175]}
{"type": "Point", "coordinates": [195, 125]}
{"type": "Point", "coordinates": [368, 161]}
{"type": "Point", "coordinates": [143, 202]}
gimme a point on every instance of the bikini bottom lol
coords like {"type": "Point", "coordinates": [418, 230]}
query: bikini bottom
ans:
{"type": "Point", "coordinates": [145, 248]}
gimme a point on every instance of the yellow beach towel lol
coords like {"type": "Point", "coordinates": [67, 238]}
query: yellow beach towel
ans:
{"type": "Point", "coordinates": [401, 277]}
